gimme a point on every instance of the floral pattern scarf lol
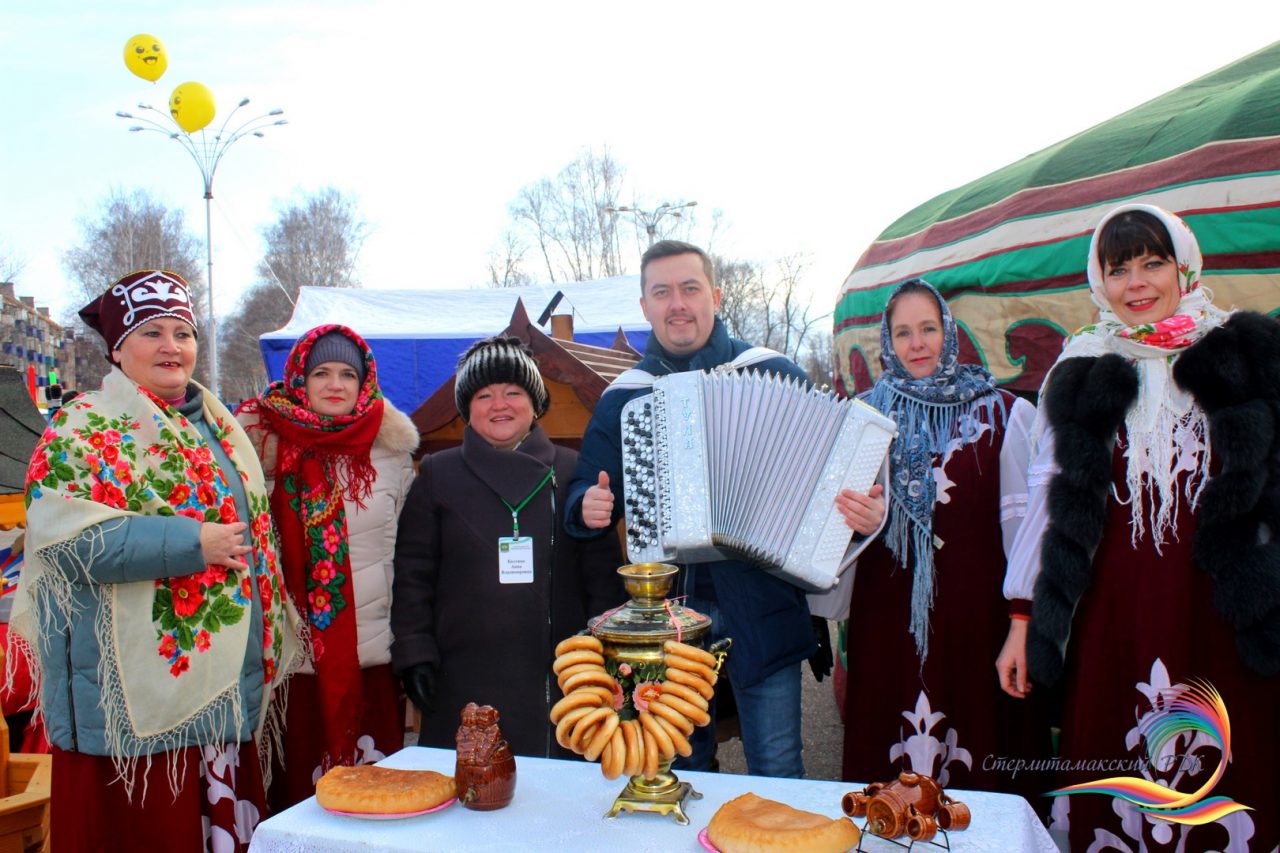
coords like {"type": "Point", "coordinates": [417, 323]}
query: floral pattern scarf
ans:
{"type": "Point", "coordinates": [928, 413]}
{"type": "Point", "coordinates": [318, 459]}
{"type": "Point", "coordinates": [1164, 424]}
{"type": "Point", "coordinates": [173, 648]}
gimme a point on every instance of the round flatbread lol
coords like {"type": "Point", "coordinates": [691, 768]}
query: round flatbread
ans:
{"type": "Point", "coordinates": [368, 789]}
{"type": "Point", "coordinates": [751, 824]}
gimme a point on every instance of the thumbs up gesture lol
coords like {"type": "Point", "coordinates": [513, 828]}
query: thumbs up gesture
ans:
{"type": "Point", "coordinates": [597, 504]}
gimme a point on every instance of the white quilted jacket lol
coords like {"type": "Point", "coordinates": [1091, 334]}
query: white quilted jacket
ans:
{"type": "Point", "coordinates": [371, 532]}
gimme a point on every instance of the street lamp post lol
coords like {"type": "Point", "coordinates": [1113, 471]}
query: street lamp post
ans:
{"type": "Point", "coordinates": [207, 151]}
{"type": "Point", "coordinates": [650, 218]}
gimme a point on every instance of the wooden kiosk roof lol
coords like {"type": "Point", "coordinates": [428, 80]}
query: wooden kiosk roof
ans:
{"type": "Point", "coordinates": [575, 375]}
{"type": "Point", "coordinates": [21, 425]}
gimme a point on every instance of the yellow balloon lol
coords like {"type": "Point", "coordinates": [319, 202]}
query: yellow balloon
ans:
{"type": "Point", "coordinates": [191, 106]}
{"type": "Point", "coordinates": [144, 55]}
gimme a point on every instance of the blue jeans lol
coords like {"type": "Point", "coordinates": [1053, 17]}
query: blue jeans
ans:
{"type": "Point", "coordinates": [769, 714]}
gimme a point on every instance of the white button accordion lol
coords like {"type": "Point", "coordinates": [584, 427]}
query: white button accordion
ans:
{"type": "Point", "coordinates": [744, 465]}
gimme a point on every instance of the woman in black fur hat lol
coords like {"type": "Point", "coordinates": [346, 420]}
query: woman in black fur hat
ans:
{"type": "Point", "coordinates": [471, 623]}
{"type": "Point", "coordinates": [1152, 558]}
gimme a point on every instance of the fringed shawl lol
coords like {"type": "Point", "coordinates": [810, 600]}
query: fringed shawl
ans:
{"type": "Point", "coordinates": [1164, 430]}
{"type": "Point", "coordinates": [930, 412]}
{"type": "Point", "coordinates": [172, 649]}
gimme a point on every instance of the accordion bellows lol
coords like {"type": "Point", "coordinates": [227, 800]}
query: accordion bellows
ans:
{"type": "Point", "coordinates": [747, 465]}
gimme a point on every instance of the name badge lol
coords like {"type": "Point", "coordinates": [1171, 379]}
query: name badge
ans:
{"type": "Point", "coordinates": [515, 559]}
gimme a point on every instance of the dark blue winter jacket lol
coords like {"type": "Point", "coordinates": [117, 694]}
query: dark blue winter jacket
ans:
{"type": "Point", "coordinates": [767, 617]}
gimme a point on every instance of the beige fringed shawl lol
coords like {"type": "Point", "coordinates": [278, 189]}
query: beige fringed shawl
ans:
{"type": "Point", "coordinates": [172, 649]}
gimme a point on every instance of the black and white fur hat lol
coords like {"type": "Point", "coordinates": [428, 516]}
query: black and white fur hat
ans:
{"type": "Point", "coordinates": [499, 359]}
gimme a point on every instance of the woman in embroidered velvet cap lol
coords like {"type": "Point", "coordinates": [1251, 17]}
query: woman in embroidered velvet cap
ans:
{"type": "Point", "coordinates": [338, 460]}
{"type": "Point", "coordinates": [1151, 555]}
{"type": "Point", "coordinates": [487, 583]}
{"type": "Point", "coordinates": [152, 594]}
{"type": "Point", "coordinates": [927, 616]}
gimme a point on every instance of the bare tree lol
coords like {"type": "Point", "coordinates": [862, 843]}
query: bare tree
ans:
{"type": "Point", "coordinates": [131, 231]}
{"type": "Point", "coordinates": [741, 286]}
{"type": "Point", "coordinates": [818, 359]}
{"type": "Point", "coordinates": [315, 242]}
{"type": "Point", "coordinates": [766, 309]}
{"type": "Point", "coordinates": [789, 316]}
{"type": "Point", "coordinates": [506, 262]}
{"type": "Point", "coordinates": [11, 265]}
{"type": "Point", "coordinates": [567, 218]}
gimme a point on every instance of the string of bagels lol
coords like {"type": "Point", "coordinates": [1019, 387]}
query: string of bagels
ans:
{"type": "Point", "coordinates": [587, 722]}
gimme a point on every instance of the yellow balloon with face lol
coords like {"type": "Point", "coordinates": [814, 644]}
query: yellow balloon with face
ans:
{"type": "Point", "coordinates": [145, 56]}
{"type": "Point", "coordinates": [191, 106]}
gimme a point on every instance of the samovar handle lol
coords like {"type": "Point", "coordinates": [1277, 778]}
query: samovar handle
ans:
{"type": "Point", "coordinates": [720, 649]}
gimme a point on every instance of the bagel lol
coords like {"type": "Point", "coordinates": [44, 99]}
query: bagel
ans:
{"type": "Point", "coordinates": [591, 676]}
{"type": "Point", "coordinates": [564, 674]}
{"type": "Point", "coordinates": [565, 727]}
{"type": "Point", "coordinates": [605, 694]}
{"type": "Point", "coordinates": [651, 757]}
{"type": "Point", "coordinates": [666, 746]}
{"type": "Point", "coordinates": [672, 716]}
{"type": "Point", "coordinates": [615, 755]}
{"type": "Point", "coordinates": [579, 641]}
{"type": "Point", "coordinates": [688, 694]}
{"type": "Point", "coordinates": [586, 726]}
{"type": "Point", "coordinates": [635, 747]}
{"type": "Point", "coordinates": [688, 679]}
{"type": "Point", "coordinates": [701, 669]}
{"type": "Point", "coordinates": [573, 700]}
{"type": "Point", "coordinates": [688, 710]}
{"type": "Point", "coordinates": [693, 653]}
{"type": "Point", "coordinates": [678, 740]}
{"type": "Point", "coordinates": [578, 656]}
{"type": "Point", "coordinates": [603, 734]}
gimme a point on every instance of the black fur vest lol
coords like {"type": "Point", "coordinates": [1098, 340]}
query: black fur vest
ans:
{"type": "Point", "coordinates": [1234, 375]}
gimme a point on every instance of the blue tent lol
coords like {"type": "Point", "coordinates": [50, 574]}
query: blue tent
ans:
{"type": "Point", "coordinates": [418, 335]}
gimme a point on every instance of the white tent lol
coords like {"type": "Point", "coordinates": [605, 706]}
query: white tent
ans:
{"type": "Point", "coordinates": [418, 335]}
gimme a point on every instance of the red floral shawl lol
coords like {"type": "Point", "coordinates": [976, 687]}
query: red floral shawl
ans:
{"type": "Point", "coordinates": [317, 456]}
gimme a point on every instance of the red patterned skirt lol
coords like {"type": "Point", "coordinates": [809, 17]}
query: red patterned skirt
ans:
{"type": "Point", "coordinates": [381, 733]}
{"type": "Point", "coordinates": [218, 805]}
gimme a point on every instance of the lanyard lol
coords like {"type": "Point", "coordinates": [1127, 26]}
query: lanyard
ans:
{"type": "Point", "coordinates": [515, 510]}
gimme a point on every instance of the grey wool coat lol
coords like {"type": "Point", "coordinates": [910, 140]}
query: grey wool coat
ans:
{"type": "Point", "coordinates": [492, 643]}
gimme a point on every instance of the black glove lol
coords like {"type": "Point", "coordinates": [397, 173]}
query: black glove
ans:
{"type": "Point", "coordinates": [420, 686]}
{"type": "Point", "coordinates": [823, 659]}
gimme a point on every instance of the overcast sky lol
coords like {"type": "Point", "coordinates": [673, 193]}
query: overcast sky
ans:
{"type": "Point", "coordinates": [812, 126]}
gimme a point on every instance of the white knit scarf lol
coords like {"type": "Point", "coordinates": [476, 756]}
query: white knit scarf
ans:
{"type": "Point", "coordinates": [1166, 432]}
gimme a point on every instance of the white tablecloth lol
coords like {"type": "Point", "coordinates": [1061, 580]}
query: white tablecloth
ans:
{"type": "Point", "coordinates": [560, 805]}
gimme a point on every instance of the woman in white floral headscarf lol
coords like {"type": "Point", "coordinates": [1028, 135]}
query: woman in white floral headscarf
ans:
{"type": "Point", "coordinates": [1151, 554]}
{"type": "Point", "coordinates": [152, 594]}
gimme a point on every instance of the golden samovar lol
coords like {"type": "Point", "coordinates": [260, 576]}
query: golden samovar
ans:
{"type": "Point", "coordinates": [633, 636]}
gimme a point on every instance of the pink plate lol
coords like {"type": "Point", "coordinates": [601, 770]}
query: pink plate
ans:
{"type": "Point", "coordinates": [369, 816]}
{"type": "Point", "coordinates": [706, 842]}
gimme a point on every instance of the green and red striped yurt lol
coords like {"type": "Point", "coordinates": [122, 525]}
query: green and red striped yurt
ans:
{"type": "Point", "coordinates": [1008, 250]}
